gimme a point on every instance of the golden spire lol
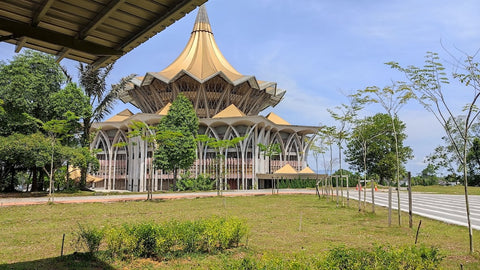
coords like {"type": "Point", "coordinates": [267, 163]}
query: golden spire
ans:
{"type": "Point", "coordinates": [201, 56]}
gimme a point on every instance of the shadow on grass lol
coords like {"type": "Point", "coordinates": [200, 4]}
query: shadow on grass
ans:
{"type": "Point", "coordinates": [157, 201]}
{"type": "Point", "coordinates": [18, 194]}
{"type": "Point", "coordinates": [72, 261]}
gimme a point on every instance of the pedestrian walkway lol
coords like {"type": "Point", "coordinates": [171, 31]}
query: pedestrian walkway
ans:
{"type": "Point", "coordinates": [140, 197]}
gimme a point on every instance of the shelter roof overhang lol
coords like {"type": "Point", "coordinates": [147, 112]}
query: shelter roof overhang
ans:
{"type": "Point", "coordinates": [95, 32]}
{"type": "Point", "coordinates": [275, 95]}
{"type": "Point", "coordinates": [202, 61]}
{"type": "Point", "coordinates": [210, 122]}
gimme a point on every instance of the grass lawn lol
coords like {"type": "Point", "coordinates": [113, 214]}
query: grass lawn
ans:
{"type": "Point", "coordinates": [454, 190]}
{"type": "Point", "coordinates": [283, 225]}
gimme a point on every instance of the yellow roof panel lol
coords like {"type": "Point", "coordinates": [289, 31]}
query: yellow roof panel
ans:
{"type": "Point", "coordinates": [201, 56]}
{"type": "Point", "coordinates": [74, 173]}
{"type": "Point", "coordinates": [286, 169]}
{"type": "Point", "coordinates": [164, 110]}
{"type": "Point", "coordinates": [120, 116]}
{"type": "Point", "coordinates": [306, 170]}
{"type": "Point", "coordinates": [230, 111]}
{"type": "Point", "coordinates": [277, 119]}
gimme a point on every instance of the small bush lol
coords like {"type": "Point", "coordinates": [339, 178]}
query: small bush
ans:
{"type": "Point", "coordinates": [345, 258]}
{"type": "Point", "coordinates": [89, 238]}
{"type": "Point", "coordinates": [201, 183]}
{"type": "Point", "coordinates": [120, 243]}
{"type": "Point", "coordinates": [151, 240]}
{"type": "Point", "coordinates": [145, 235]}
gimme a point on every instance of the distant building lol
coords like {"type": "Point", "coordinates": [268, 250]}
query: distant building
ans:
{"type": "Point", "coordinates": [228, 106]}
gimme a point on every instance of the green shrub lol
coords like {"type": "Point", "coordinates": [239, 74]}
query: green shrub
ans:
{"type": "Point", "coordinates": [201, 183]}
{"type": "Point", "coordinates": [119, 242]}
{"type": "Point", "coordinates": [146, 239]}
{"type": "Point", "coordinates": [347, 258]}
{"type": "Point", "coordinates": [89, 238]}
{"type": "Point", "coordinates": [152, 240]}
{"type": "Point", "coordinates": [297, 183]}
{"type": "Point", "coordinates": [380, 258]}
{"type": "Point", "coordinates": [188, 235]}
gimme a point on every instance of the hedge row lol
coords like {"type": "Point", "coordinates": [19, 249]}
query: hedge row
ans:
{"type": "Point", "coordinates": [412, 257]}
{"type": "Point", "coordinates": [153, 240]}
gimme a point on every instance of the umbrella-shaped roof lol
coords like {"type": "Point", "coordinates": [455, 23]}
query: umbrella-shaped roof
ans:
{"type": "Point", "coordinates": [287, 169]}
{"type": "Point", "coordinates": [205, 77]}
{"type": "Point", "coordinates": [306, 170]}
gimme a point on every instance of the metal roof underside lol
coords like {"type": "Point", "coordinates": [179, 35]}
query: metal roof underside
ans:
{"type": "Point", "coordinates": [96, 32]}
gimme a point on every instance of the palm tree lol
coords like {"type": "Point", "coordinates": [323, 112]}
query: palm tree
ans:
{"type": "Point", "coordinates": [102, 99]}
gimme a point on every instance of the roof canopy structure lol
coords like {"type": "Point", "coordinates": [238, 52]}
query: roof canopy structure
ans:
{"type": "Point", "coordinates": [91, 31]}
{"type": "Point", "coordinates": [205, 77]}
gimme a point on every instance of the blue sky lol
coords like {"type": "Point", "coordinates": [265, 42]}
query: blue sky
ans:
{"type": "Point", "coordinates": [320, 50]}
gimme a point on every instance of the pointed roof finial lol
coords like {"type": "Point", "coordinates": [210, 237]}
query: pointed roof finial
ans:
{"type": "Point", "coordinates": [201, 57]}
{"type": "Point", "coordinates": [201, 22]}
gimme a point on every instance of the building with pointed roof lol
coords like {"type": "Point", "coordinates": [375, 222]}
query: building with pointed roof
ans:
{"type": "Point", "coordinates": [227, 103]}
{"type": "Point", "coordinates": [205, 77]}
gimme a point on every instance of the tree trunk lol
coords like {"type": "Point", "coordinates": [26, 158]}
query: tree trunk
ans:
{"type": "Point", "coordinates": [373, 196]}
{"type": "Point", "coordinates": [465, 183]}
{"type": "Point", "coordinates": [52, 186]}
{"type": "Point", "coordinates": [85, 143]}
{"type": "Point", "coordinates": [336, 188]}
{"type": "Point", "coordinates": [175, 171]}
{"type": "Point", "coordinates": [359, 195]}
{"type": "Point", "coordinates": [397, 175]}
{"type": "Point", "coordinates": [11, 185]}
{"type": "Point", "coordinates": [83, 178]}
{"type": "Point", "coordinates": [34, 179]}
{"type": "Point", "coordinates": [410, 213]}
{"type": "Point", "coordinates": [67, 176]}
{"type": "Point", "coordinates": [341, 172]}
{"type": "Point", "coordinates": [389, 204]}
{"type": "Point", "coordinates": [365, 177]}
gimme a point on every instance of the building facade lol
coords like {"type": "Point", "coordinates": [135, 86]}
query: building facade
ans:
{"type": "Point", "coordinates": [228, 106]}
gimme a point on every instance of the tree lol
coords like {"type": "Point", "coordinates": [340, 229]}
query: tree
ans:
{"type": "Point", "coordinates": [31, 88]}
{"type": "Point", "coordinates": [220, 146]}
{"type": "Point", "coordinates": [318, 148]}
{"type": "Point", "coordinates": [2, 110]}
{"type": "Point", "coordinates": [20, 152]}
{"type": "Point", "coordinates": [372, 146]}
{"type": "Point", "coordinates": [429, 176]}
{"type": "Point", "coordinates": [100, 98]}
{"type": "Point", "coordinates": [345, 115]}
{"type": "Point", "coordinates": [178, 152]}
{"type": "Point", "coordinates": [327, 136]}
{"type": "Point", "coordinates": [427, 83]}
{"type": "Point", "coordinates": [391, 98]}
{"type": "Point", "coordinates": [473, 161]}
{"type": "Point", "coordinates": [59, 130]}
{"type": "Point", "coordinates": [444, 157]}
{"type": "Point", "coordinates": [153, 137]}
{"type": "Point", "coordinates": [380, 151]}
{"type": "Point", "coordinates": [270, 151]}
{"type": "Point", "coordinates": [363, 134]}
{"type": "Point", "coordinates": [27, 84]}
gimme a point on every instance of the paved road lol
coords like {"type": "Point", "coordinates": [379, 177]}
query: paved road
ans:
{"type": "Point", "coordinates": [446, 208]}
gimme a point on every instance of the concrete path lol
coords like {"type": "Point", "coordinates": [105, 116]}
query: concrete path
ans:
{"type": "Point", "coordinates": [140, 197]}
{"type": "Point", "coordinates": [446, 208]}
